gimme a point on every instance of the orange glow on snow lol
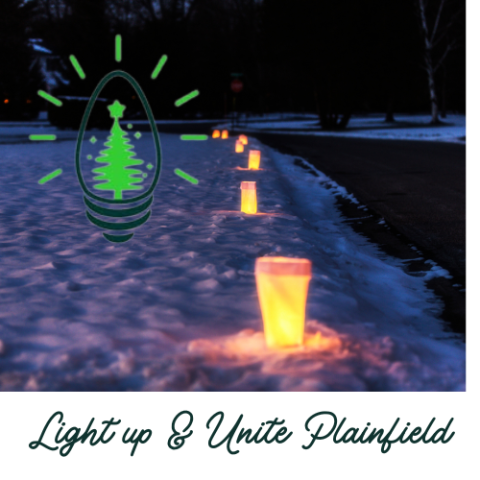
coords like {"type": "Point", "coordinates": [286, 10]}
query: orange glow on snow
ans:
{"type": "Point", "coordinates": [248, 344]}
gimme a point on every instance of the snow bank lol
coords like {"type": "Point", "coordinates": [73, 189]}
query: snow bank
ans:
{"type": "Point", "coordinates": [176, 308]}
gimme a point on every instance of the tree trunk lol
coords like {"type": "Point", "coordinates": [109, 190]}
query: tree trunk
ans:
{"type": "Point", "coordinates": [334, 121]}
{"type": "Point", "coordinates": [317, 106]}
{"type": "Point", "coordinates": [431, 87]}
{"type": "Point", "coordinates": [444, 93]}
{"type": "Point", "coordinates": [429, 64]}
{"type": "Point", "coordinates": [389, 118]}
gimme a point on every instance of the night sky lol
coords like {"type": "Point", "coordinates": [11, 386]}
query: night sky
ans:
{"type": "Point", "coordinates": [342, 56]}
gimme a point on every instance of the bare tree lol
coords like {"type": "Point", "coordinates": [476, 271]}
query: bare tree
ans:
{"type": "Point", "coordinates": [51, 10]}
{"type": "Point", "coordinates": [436, 26]}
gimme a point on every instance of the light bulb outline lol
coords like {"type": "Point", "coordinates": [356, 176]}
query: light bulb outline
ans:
{"type": "Point", "coordinates": [78, 150]}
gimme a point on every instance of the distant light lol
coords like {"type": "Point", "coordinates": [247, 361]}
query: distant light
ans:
{"type": "Point", "coordinates": [6, 101]}
{"type": "Point", "coordinates": [216, 134]}
{"type": "Point", "coordinates": [224, 134]}
{"type": "Point", "coordinates": [243, 139]}
{"type": "Point", "coordinates": [249, 197]}
{"type": "Point", "coordinates": [254, 159]}
{"type": "Point", "coordinates": [28, 100]}
{"type": "Point", "coordinates": [282, 286]}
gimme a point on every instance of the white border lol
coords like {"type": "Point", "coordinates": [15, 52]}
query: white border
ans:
{"type": "Point", "coordinates": [23, 415]}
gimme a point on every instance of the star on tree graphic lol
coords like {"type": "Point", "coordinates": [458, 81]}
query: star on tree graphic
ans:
{"type": "Point", "coordinates": [117, 175]}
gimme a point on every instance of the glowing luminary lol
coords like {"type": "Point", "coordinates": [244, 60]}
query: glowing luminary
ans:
{"type": "Point", "coordinates": [239, 146]}
{"type": "Point", "coordinates": [216, 134]}
{"type": "Point", "coordinates": [254, 159]}
{"type": "Point", "coordinates": [249, 197]}
{"type": "Point", "coordinates": [224, 134]}
{"type": "Point", "coordinates": [243, 139]}
{"type": "Point", "coordinates": [282, 287]}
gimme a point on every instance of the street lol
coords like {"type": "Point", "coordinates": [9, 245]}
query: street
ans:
{"type": "Point", "coordinates": [418, 187]}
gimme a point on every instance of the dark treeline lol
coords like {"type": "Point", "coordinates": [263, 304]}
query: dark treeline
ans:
{"type": "Point", "coordinates": [331, 57]}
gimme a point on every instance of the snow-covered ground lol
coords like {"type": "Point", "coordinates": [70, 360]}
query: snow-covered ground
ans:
{"type": "Point", "coordinates": [176, 308]}
{"type": "Point", "coordinates": [18, 132]}
{"type": "Point", "coordinates": [405, 127]}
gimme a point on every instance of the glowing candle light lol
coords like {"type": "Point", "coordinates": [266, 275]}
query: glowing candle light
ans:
{"type": "Point", "coordinates": [243, 139]}
{"type": "Point", "coordinates": [224, 134]}
{"type": "Point", "coordinates": [249, 197]}
{"type": "Point", "coordinates": [254, 159]}
{"type": "Point", "coordinates": [216, 134]}
{"type": "Point", "coordinates": [239, 146]}
{"type": "Point", "coordinates": [282, 287]}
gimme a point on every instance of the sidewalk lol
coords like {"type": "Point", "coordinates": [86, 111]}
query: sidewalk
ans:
{"type": "Point", "coordinates": [176, 308]}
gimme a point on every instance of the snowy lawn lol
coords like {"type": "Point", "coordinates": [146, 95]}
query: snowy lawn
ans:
{"type": "Point", "coordinates": [405, 127]}
{"type": "Point", "coordinates": [176, 308]}
{"type": "Point", "coordinates": [18, 132]}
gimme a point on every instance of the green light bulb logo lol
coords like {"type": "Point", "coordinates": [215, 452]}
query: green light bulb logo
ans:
{"type": "Point", "coordinates": [117, 171]}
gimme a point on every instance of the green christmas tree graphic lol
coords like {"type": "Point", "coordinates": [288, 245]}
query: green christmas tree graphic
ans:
{"type": "Point", "coordinates": [116, 175]}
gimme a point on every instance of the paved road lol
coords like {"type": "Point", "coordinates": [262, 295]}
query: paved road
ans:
{"type": "Point", "coordinates": [418, 187]}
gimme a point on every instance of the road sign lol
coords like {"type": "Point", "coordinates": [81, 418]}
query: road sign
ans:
{"type": "Point", "coordinates": [236, 85]}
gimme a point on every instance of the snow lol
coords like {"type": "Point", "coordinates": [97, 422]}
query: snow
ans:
{"type": "Point", "coordinates": [35, 44]}
{"type": "Point", "coordinates": [83, 99]}
{"type": "Point", "coordinates": [39, 48]}
{"type": "Point", "coordinates": [171, 121]}
{"type": "Point", "coordinates": [405, 127]}
{"type": "Point", "coordinates": [176, 307]}
{"type": "Point", "coordinates": [18, 132]}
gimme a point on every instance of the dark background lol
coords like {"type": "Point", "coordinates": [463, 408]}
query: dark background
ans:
{"type": "Point", "coordinates": [332, 58]}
